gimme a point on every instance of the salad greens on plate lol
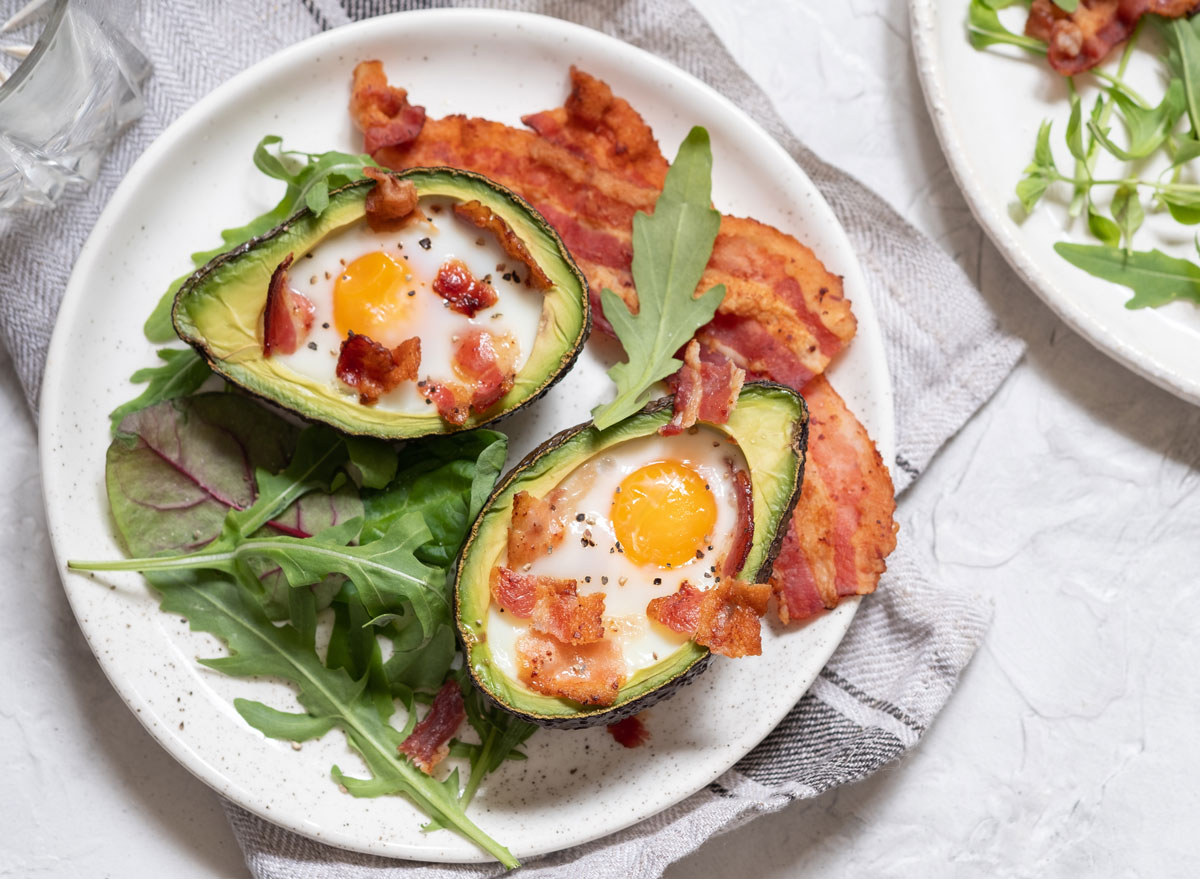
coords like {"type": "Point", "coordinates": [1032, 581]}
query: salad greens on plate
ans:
{"type": "Point", "coordinates": [1132, 131]}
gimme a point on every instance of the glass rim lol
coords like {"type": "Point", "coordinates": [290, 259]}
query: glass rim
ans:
{"type": "Point", "coordinates": [27, 65]}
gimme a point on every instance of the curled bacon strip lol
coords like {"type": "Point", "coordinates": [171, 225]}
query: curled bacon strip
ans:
{"type": "Point", "coordinates": [372, 369]}
{"type": "Point", "coordinates": [287, 316]}
{"type": "Point", "coordinates": [535, 529]}
{"type": "Point", "coordinates": [704, 390]}
{"type": "Point", "coordinates": [723, 618]}
{"type": "Point", "coordinates": [390, 202]}
{"type": "Point", "coordinates": [382, 112]}
{"type": "Point", "coordinates": [590, 674]}
{"type": "Point", "coordinates": [429, 742]}
{"type": "Point", "coordinates": [483, 217]}
{"type": "Point", "coordinates": [743, 530]}
{"type": "Point", "coordinates": [462, 291]}
{"type": "Point", "coordinates": [843, 527]}
{"type": "Point", "coordinates": [1078, 41]}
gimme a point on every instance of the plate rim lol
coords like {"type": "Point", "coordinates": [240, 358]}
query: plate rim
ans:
{"type": "Point", "coordinates": [144, 708]}
{"type": "Point", "coordinates": [925, 22]}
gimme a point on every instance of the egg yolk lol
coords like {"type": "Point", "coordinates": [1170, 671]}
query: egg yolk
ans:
{"type": "Point", "coordinates": [663, 513]}
{"type": "Point", "coordinates": [370, 297]}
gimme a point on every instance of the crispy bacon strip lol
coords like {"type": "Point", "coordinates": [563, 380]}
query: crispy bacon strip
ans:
{"type": "Point", "coordinates": [723, 618]}
{"type": "Point", "coordinates": [1078, 41]}
{"type": "Point", "coordinates": [429, 742]}
{"type": "Point", "coordinates": [535, 529]}
{"type": "Point", "coordinates": [704, 390]}
{"type": "Point", "coordinates": [287, 316]}
{"type": "Point", "coordinates": [382, 112]}
{"type": "Point", "coordinates": [554, 605]}
{"type": "Point", "coordinates": [843, 527]}
{"type": "Point", "coordinates": [373, 370]}
{"type": "Point", "coordinates": [590, 674]}
{"type": "Point", "coordinates": [390, 202]}
{"type": "Point", "coordinates": [462, 291]}
{"type": "Point", "coordinates": [743, 529]}
{"type": "Point", "coordinates": [588, 167]}
{"type": "Point", "coordinates": [630, 732]}
{"type": "Point", "coordinates": [481, 216]}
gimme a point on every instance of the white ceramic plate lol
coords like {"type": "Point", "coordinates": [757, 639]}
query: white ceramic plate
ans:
{"type": "Point", "coordinates": [198, 178]}
{"type": "Point", "coordinates": [986, 107]}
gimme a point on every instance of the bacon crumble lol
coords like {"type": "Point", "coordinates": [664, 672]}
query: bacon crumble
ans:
{"type": "Point", "coordinates": [723, 618]}
{"type": "Point", "coordinates": [535, 528]}
{"type": "Point", "coordinates": [373, 370]}
{"type": "Point", "coordinates": [462, 291]}
{"type": "Point", "coordinates": [553, 604]}
{"type": "Point", "coordinates": [429, 742]}
{"type": "Point", "coordinates": [1078, 41]}
{"type": "Point", "coordinates": [287, 315]}
{"type": "Point", "coordinates": [743, 529]}
{"type": "Point", "coordinates": [705, 390]}
{"type": "Point", "coordinates": [382, 111]}
{"type": "Point", "coordinates": [390, 202]}
{"type": "Point", "coordinates": [590, 674]}
{"type": "Point", "coordinates": [630, 732]}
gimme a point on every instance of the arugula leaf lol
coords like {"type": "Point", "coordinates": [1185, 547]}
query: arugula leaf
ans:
{"type": "Point", "coordinates": [500, 734]}
{"type": "Point", "coordinates": [283, 724]}
{"type": "Point", "coordinates": [985, 29]}
{"type": "Point", "coordinates": [1183, 60]}
{"type": "Point", "coordinates": [182, 372]}
{"type": "Point", "coordinates": [1102, 227]}
{"type": "Point", "coordinates": [671, 247]}
{"type": "Point", "coordinates": [1128, 212]}
{"type": "Point", "coordinates": [1154, 277]}
{"type": "Point", "coordinates": [329, 696]}
{"type": "Point", "coordinates": [1148, 127]}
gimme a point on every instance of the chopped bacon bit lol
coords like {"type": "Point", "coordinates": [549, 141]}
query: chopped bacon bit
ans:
{"type": "Point", "coordinates": [515, 593]}
{"type": "Point", "coordinates": [723, 618]}
{"type": "Point", "coordinates": [679, 611]}
{"type": "Point", "coordinates": [630, 732]}
{"type": "Point", "coordinates": [590, 674]}
{"type": "Point", "coordinates": [535, 529]}
{"type": "Point", "coordinates": [453, 401]}
{"type": "Point", "coordinates": [743, 530]}
{"type": "Point", "coordinates": [486, 360]}
{"type": "Point", "coordinates": [843, 527]}
{"type": "Point", "coordinates": [381, 111]}
{"type": "Point", "coordinates": [372, 369]}
{"type": "Point", "coordinates": [589, 167]}
{"type": "Point", "coordinates": [429, 742]}
{"type": "Point", "coordinates": [461, 290]}
{"type": "Point", "coordinates": [553, 604]}
{"type": "Point", "coordinates": [704, 390]}
{"type": "Point", "coordinates": [483, 217]}
{"type": "Point", "coordinates": [1078, 41]}
{"type": "Point", "coordinates": [287, 316]}
{"type": "Point", "coordinates": [390, 202]}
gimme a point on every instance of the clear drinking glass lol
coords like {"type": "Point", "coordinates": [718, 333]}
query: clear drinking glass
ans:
{"type": "Point", "coordinates": [78, 83]}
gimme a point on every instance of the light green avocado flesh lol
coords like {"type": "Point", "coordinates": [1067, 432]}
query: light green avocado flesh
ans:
{"type": "Point", "coordinates": [219, 309]}
{"type": "Point", "coordinates": [769, 425]}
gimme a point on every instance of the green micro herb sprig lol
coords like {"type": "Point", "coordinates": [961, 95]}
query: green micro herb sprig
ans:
{"type": "Point", "coordinates": [1169, 127]}
{"type": "Point", "coordinates": [671, 247]}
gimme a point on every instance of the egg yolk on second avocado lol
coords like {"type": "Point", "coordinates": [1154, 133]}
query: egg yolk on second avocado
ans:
{"type": "Point", "coordinates": [663, 513]}
{"type": "Point", "coordinates": [370, 297]}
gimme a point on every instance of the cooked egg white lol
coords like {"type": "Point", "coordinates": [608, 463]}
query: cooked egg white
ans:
{"type": "Point", "coordinates": [640, 519]}
{"type": "Point", "coordinates": [380, 285]}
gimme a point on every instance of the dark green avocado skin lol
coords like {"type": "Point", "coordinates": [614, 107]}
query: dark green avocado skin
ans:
{"type": "Point", "coordinates": [793, 444]}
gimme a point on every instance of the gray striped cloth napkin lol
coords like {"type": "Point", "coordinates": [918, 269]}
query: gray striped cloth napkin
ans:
{"type": "Point", "coordinates": [903, 654]}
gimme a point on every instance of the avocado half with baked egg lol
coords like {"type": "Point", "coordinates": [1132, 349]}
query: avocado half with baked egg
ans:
{"type": "Point", "coordinates": [449, 318]}
{"type": "Point", "coordinates": [597, 528]}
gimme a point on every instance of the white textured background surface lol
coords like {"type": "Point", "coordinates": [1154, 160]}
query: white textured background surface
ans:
{"type": "Point", "coordinates": [1070, 501]}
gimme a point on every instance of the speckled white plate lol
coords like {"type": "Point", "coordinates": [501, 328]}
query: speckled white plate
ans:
{"type": "Point", "coordinates": [198, 178]}
{"type": "Point", "coordinates": [986, 108]}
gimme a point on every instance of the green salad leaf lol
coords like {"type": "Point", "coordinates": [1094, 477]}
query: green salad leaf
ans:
{"type": "Point", "coordinates": [1154, 277]}
{"type": "Point", "coordinates": [984, 27]}
{"type": "Point", "coordinates": [671, 247]}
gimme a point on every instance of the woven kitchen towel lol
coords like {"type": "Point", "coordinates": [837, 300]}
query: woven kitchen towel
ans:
{"type": "Point", "coordinates": [903, 654]}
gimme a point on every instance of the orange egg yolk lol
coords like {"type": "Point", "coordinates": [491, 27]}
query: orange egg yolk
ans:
{"type": "Point", "coordinates": [370, 297]}
{"type": "Point", "coordinates": [663, 513]}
